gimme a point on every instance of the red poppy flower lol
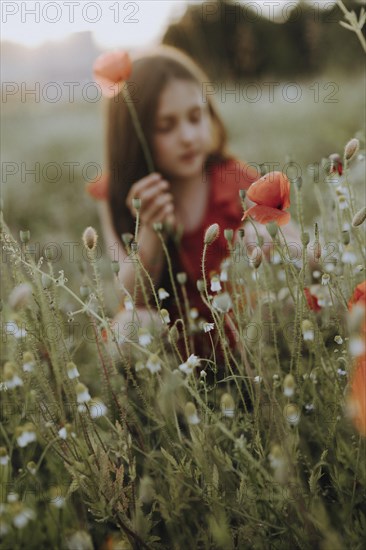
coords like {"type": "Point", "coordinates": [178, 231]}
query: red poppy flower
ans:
{"type": "Point", "coordinates": [357, 396]}
{"type": "Point", "coordinates": [359, 295]}
{"type": "Point", "coordinates": [311, 300]}
{"type": "Point", "coordinates": [272, 195]}
{"type": "Point", "coordinates": [98, 188]}
{"type": "Point", "coordinates": [110, 69]}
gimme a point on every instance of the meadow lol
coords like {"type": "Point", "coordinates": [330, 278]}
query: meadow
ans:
{"type": "Point", "coordinates": [107, 448]}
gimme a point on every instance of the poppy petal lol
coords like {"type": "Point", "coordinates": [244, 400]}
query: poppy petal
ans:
{"type": "Point", "coordinates": [266, 214]}
{"type": "Point", "coordinates": [98, 189]}
{"type": "Point", "coordinates": [110, 69]}
{"type": "Point", "coordinates": [272, 190]}
{"type": "Point", "coordinates": [357, 397]}
{"type": "Point", "coordinates": [359, 295]}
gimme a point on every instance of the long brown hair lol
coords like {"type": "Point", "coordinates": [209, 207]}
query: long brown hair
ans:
{"type": "Point", "coordinates": [126, 163]}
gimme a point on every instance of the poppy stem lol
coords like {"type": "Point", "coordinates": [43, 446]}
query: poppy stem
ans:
{"type": "Point", "coordinates": [139, 132]}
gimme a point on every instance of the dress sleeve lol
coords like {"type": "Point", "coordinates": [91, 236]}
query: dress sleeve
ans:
{"type": "Point", "coordinates": [98, 189]}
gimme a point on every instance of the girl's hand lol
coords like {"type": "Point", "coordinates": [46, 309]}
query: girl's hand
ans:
{"type": "Point", "coordinates": [156, 201]}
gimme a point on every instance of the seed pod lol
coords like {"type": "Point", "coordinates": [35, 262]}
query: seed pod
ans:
{"type": "Point", "coordinates": [359, 217]}
{"type": "Point", "coordinates": [351, 149]}
{"type": "Point", "coordinates": [212, 233]}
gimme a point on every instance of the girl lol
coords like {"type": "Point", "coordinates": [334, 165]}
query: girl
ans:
{"type": "Point", "coordinates": [196, 183]}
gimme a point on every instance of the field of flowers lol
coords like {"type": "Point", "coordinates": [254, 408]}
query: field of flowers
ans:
{"type": "Point", "coordinates": [112, 442]}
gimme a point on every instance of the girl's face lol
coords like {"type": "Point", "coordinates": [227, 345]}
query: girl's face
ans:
{"type": "Point", "coordinates": [182, 131]}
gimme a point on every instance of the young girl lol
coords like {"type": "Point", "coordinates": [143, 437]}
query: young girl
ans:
{"type": "Point", "coordinates": [196, 183]}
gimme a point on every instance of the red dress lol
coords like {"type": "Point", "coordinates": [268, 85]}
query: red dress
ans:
{"type": "Point", "coordinates": [226, 178]}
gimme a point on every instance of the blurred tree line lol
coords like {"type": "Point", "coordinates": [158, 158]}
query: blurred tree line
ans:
{"type": "Point", "coordinates": [231, 40]}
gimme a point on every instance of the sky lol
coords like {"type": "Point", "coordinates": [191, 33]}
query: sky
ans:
{"type": "Point", "coordinates": [116, 23]}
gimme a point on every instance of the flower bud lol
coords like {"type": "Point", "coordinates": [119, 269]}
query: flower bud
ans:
{"type": "Point", "coordinates": [359, 217]}
{"type": "Point", "coordinates": [182, 278]}
{"type": "Point", "coordinates": [50, 253]}
{"type": "Point", "coordinates": [307, 329]}
{"type": "Point", "coordinates": [136, 203]}
{"type": "Point", "coordinates": [227, 405]}
{"type": "Point", "coordinates": [46, 280]}
{"type": "Point", "coordinates": [305, 239]}
{"type": "Point", "coordinates": [173, 335]}
{"type": "Point", "coordinates": [228, 234]}
{"type": "Point", "coordinates": [165, 316]}
{"type": "Point", "coordinates": [127, 238]}
{"type": "Point", "coordinates": [317, 250]}
{"type": "Point", "coordinates": [289, 385]}
{"type": "Point", "coordinates": [255, 258]}
{"type": "Point", "coordinates": [115, 267]}
{"type": "Point", "coordinates": [242, 194]}
{"type": "Point", "coordinates": [24, 236]}
{"type": "Point", "coordinates": [351, 149]}
{"type": "Point", "coordinates": [212, 233]}
{"type": "Point", "coordinates": [191, 413]}
{"type": "Point", "coordinates": [346, 237]}
{"type": "Point", "coordinates": [158, 227]}
{"type": "Point", "coordinates": [222, 302]}
{"type": "Point", "coordinates": [241, 232]}
{"type": "Point", "coordinates": [200, 285]}
{"type": "Point", "coordinates": [82, 393]}
{"type": "Point", "coordinates": [292, 414]}
{"type": "Point", "coordinates": [90, 238]}
{"type": "Point", "coordinates": [146, 490]}
{"type": "Point", "coordinates": [84, 291]}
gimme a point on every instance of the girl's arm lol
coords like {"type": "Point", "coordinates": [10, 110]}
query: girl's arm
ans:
{"type": "Point", "coordinates": [150, 250]}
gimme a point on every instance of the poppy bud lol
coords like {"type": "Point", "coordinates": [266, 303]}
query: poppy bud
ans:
{"type": "Point", "coordinates": [212, 233]}
{"type": "Point", "coordinates": [127, 238]}
{"type": "Point", "coordinates": [317, 250]}
{"type": "Point", "coordinates": [90, 238]}
{"type": "Point", "coordinates": [228, 234]}
{"type": "Point", "coordinates": [346, 237]}
{"type": "Point", "coordinates": [200, 285]}
{"type": "Point", "coordinates": [136, 203]}
{"type": "Point", "coordinates": [289, 385]}
{"type": "Point", "coordinates": [182, 278]}
{"type": "Point", "coordinates": [305, 238]}
{"type": "Point", "coordinates": [84, 291]}
{"type": "Point", "coordinates": [24, 236]}
{"type": "Point", "coordinates": [157, 226]}
{"type": "Point", "coordinates": [46, 280]}
{"type": "Point", "coordinates": [173, 334]}
{"type": "Point", "coordinates": [351, 149]}
{"type": "Point", "coordinates": [115, 267]}
{"type": "Point", "coordinates": [227, 405]}
{"type": "Point", "coordinates": [241, 232]}
{"type": "Point", "coordinates": [359, 217]}
{"type": "Point", "coordinates": [255, 258]}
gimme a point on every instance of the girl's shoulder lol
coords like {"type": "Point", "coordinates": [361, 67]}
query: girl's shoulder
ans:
{"type": "Point", "coordinates": [99, 188]}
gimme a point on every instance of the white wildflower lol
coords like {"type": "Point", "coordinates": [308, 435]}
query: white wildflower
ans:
{"type": "Point", "coordinates": [356, 346]}
{"type": "Point", "coordinates": [97, 408]}
{"type": "Point", "coordinates": [292, 414]}
{"type": "Point", "coordinates": [215, 284]}
{"type": "Point", "coordinates": [325, 279]}
{"type": "Point", "coordinates": [208, 326]}
{"type": "Point", "coordinates": [191, 413]}
{"type": "Point", "coordinates": [162, 293]}
{"type": "Point", "coordinates": [193, 313]}
{"type": "Point", "coordinates": [153, 364]}
{"type": "Point", "coordinates": [128, 303]}
{"type": "Point", "coordinates": [145, 338]}
{"type": "Point", "coordinates": [227, 405]}
{"type": "Point", "coordinates": [72, 371]}
{"type": "Point", "coordinates": [82, 393]}
{"type": "Point", "coordinates": [165, 316]}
